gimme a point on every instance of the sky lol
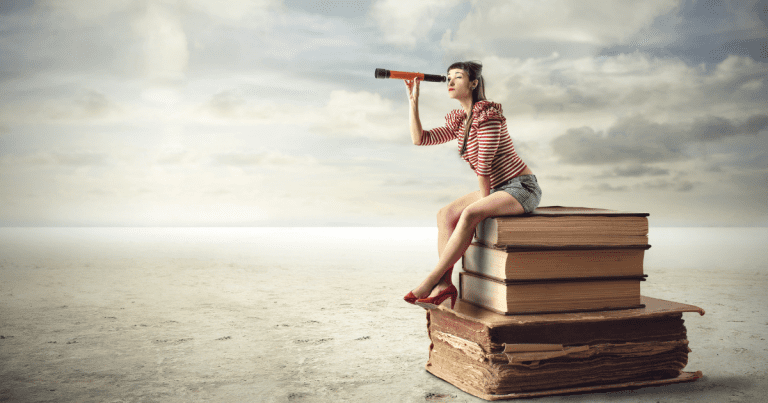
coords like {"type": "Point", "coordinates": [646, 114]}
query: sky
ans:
{"type": "Point", "coordinates": [267, 112]}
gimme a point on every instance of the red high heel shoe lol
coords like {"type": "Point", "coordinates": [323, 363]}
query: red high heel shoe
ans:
{"type": "Point", "coordinates": [411, 299]}
{"type": "Point", "coordinates": [432, 303]}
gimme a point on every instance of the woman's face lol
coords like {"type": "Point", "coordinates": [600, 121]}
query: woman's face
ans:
{"type": "Point", "coordinates": [459, 86]}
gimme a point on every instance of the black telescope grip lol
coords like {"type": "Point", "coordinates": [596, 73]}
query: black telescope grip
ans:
{"type": "Point", "coordinates": [404, 75]}
{"type": "Point", "coordinates": [434, 78]}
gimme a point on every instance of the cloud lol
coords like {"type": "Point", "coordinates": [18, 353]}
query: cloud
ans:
{"type": "Point", "coordinates": [630, 140]}
{"type": "Point", "coordinates": [712, 128]}
{"type": "Point", "coordinates": [54, 159]}
{"type": "Point", "coordinates": [704, 31]}
{"type": "Point", "coordinates": [637, 139]}
{"type": "Point", "coordinates": [680, 185]}
{"type": "Point", "coordinates": [362, 114]}
{"type": "Point", "coordinates": [95, 10]}
{"type": "Point", "coordinates": [635, 171]}
{"type": "Point", "coordinates": [231, 106]}
{"type": "Point", "coordinates": [406, 23]}
{"type": "Point", "coordinates": [85, 106]}
{"type": "Point", "coordinates": [666, 88]}
{"type": "Point", "coordinates": [272, 158]}
{"type": "Point", "coordinates": [492, 24]}
{"type": "Point", "coordinates": [605, 187]}
{"type": "Point", "coordinates": [166, 53]}
{"type": "Point", "coordinates": [235, 10]}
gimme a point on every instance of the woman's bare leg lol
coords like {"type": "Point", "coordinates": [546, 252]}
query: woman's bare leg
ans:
{"type": "Point", "coordinates": [499, 203]}
{"type": "Point", "coordinates": [448, 217]}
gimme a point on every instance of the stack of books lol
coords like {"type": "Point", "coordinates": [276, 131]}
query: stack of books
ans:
{"type": "Point", "coordinates": [550, 303]}
{"type": "Point", "coordinates": [557, 259]}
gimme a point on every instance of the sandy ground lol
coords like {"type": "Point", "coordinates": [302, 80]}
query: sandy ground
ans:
{"type": "Point", "coordinates": [174, 316]}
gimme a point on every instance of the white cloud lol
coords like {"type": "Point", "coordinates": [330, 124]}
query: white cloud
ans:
{"type": "Point", "coordinates": [88, 105]}
{"type": "Point", "coordinates": [592, 22]}
{"type": "Point", "coordinates": [94, 10]}
{"type": "Point", "coordinates": [234, 10]}
{"type": "Point", "coordinates": [404, 23]}
{"type": "Point", "coordinates": [165, 44]}
{"type": "Point", "coordinates": [362, 114]}
{"type": "Point", "coordinates": [345, 114]}
{"type": "Point", "coordinates": [53, 159]}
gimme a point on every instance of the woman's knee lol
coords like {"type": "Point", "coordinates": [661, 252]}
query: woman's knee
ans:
{"type": "Point", "coordinates": [448, 216]}
{"type": "Point", "coordinates": [472, 215]}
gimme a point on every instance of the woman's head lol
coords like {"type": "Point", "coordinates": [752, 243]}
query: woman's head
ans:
{"type": "Point", "coordinates": [467, 74]}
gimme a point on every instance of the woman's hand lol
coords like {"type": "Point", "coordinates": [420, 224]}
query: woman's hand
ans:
{"type": "Point", "coordinates": [412, 89]}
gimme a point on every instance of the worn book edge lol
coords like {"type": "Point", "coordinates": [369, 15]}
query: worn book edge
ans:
{"type": "Point", "coordinates": [654, 307]}
{"type": "Point", "coordinates": [683, 377]}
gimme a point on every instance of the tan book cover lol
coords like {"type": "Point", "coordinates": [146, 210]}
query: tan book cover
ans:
{"type": "Point", "coordinates": [522, 263]}
{"type": "Point", "coordinates": [553, 295]}
{"type": "Point", "coordinates": [565, 226]}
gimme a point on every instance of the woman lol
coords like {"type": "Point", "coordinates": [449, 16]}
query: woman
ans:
{"type": "Point", "coordinates": [507, 185]}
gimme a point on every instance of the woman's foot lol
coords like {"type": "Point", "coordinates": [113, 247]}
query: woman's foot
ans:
{"type": "Point", "coordinates": [434, 302]}
{"type": "Point", "coordinates": [439, 288]}
{"type": "Point", "coordinates": [426, 290]}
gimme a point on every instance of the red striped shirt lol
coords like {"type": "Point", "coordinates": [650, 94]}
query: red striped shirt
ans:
{"type": "Point", "coordinates": [490, 151]}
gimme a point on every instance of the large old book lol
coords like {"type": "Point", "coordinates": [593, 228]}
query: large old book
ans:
{"type": "Point", "coordinates": [565, 226]}
{"type": "Point", "coordinates": [550, 295]}
{"type": "Point", "coordinates": [526, 263]}
{"type": "Point", "coordinates": [503, 357]}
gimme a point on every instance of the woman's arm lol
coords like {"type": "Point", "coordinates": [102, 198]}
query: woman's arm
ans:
{"type": "Point", "coordinates": [485, 184]}
{"type": "Point", "coordinates": [412, 89]}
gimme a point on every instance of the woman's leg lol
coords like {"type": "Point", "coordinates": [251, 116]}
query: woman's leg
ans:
{"type": "Point", "coordinates": [448, 217]}
{"type": "Point", "coordinates": [496, 204]}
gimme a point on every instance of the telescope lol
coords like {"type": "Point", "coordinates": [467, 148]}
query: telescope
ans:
{"type": "Point", "coordinates": [405, 75]}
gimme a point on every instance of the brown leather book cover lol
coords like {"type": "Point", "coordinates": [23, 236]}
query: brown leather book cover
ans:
{"type": "Point", "coordinates": [558, 226]}
{"type": "Point", "coordinates": [505, 357]}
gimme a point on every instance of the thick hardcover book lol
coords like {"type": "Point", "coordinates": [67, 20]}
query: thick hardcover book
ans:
{"type": "Point", "coordinates": [551, 295]}
{"type": "Point", "coordinates": [565, 227]}
{"type": "Point", "coordinates": [526, 263]}
{"type": "Point", "coordinates": [495, 357]}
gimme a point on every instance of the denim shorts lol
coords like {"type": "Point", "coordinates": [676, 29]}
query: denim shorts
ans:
{"type": "Point", "coordinates": [525, 189]}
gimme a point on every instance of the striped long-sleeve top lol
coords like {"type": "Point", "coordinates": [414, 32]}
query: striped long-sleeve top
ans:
{"type": "Point", "coordinates": [490, 151]}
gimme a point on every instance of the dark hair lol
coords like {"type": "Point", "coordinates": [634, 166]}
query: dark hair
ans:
{"type": "Point", "coordinates": [475, 71]}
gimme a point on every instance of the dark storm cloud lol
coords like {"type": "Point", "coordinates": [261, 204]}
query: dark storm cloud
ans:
{"type": "Point", "coordinates": [705, 31]}
{"type": "Point", "coordinates": [639, 140]}
{"type": "Point", "coordinates": [713, 128]}
{"type": "Point", "coordinates": [630, 140]}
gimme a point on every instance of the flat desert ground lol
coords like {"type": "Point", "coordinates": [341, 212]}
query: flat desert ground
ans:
{"type": "Point", "coordinates": [311, 315]}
